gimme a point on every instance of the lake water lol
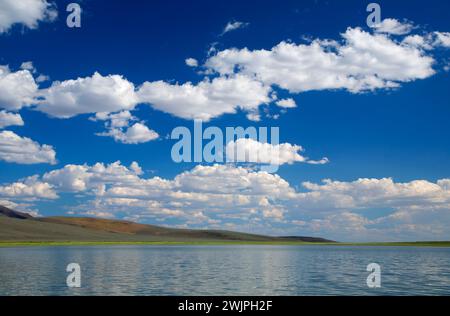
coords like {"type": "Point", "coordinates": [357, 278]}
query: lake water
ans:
{"type": "Point", "coordinates": [225, 270]}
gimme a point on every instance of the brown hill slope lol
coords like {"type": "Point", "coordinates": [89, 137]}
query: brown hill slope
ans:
{"type": "Point", "coordinates": [135, 229]}
{"type": "Point", "coordinates": [16, 226]}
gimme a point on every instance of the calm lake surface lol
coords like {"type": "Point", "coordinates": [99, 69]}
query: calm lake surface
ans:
{"type": "Point", "coordinates": [225, 270]}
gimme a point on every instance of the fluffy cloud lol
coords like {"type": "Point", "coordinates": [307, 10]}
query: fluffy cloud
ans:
{"type": "Point", "coordinates": [94, 94]}
{"type": "Point", "coordinates": [113, 93]}
{"type": "Point", "coordinates": [376, 193]}
{"type": "Point", "coordinates": [418, 41]}
{"type": "Point", "coordinates": [97, 94]}
{"type": "Point", "coordinates": [79, 178]}
{"type": "Point", "coordinates": [232, 26]}
{"type": "Point", "coordinates": [420, 209]}
{"type": "Point", "coordinates": [42, 78]}
{"type": "Point", "coordinates": [136, 134]}
{"type": "Point", "coordinates": [115, 120]}
{"type": "Point", "coordinates": [394, 27]}
{"type": "Point", "coordinates": [363, 61]}
{"type": "Point", "coordinates": [224, 179]}
{"type": "Point", "coordinates": [191, 62]}
{"type": "Point", "coordinates": [442, 39]}
{"type": "Point", "coordinates": [207, 99]}
{"type": "Point", "coordinates": [286, 103]}
{"type": "Point", "coordinates": [119, 128]}
{"type": "Point", "coordinates": [204, 190]}
{"type": "Point", "coordinates": [26, 12]}
{"type": "Point", "coordinates": [10, 119]}
{"type": "Point", "coordinates": [72, 178]}
{"type": "Point", "coordinates": [17, 89]}
{"type": "Point", "coordinates": [29, 189]}
{"type": "Point", "coordinates": [249, 150]}
{"type": "Point", "coordinates": [28, 65]}
{"type": "Point", "coordinates": [23, 150]}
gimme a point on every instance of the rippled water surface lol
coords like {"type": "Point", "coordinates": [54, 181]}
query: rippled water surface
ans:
{"type": "Point", "coordinates": [225, 270]}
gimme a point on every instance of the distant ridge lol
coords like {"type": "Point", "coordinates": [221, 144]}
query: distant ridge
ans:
{"type": "Point", "coordinates": [18, 226]}
{"type": "Point", "coordinates": [4, 211]}
{"type": "Point", "coordinates": [305, 239]}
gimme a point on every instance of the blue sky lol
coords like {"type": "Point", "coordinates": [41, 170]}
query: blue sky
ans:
{"type": "Point", "coordinates": [375, 103]}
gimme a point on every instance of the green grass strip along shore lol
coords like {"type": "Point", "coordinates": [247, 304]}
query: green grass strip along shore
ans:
{"type": "Point", "coordinates": [218, 243]}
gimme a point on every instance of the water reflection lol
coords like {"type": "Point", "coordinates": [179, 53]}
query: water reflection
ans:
{"type": "Point", "coordinates": [224, 270]}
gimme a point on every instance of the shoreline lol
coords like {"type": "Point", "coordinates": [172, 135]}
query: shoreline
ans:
{"type": "Point", "coordinates": [11, 244]}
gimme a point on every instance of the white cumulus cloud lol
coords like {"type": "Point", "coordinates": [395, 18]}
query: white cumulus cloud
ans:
{"type": "Point", "coordinates": [286, 103]}
{"type": "Point", "coordinates": [17, 89]}
{"type": "Point", "coordinates": [120, 127]}
{"type": "Point", "coordinates": [23, 150]}
{"type": "Point", "coordinates": [207, 99]}
{"type": "Point", "coordinates": [362, 62]}
{"type": "Point", "coordinates": [393, 26]}
{"type": "Point", "coordinates": [191, 62]}
{"type": "Point", "coordinates": [136, 134]}
{"type": "Point", "coordinates": [88, 95]}
{"type": "Point", "coordinates": [30, 188]}
{"type": "Point", "coordinates": [10, 119]}
{"type": "Point", "coordinates": [249, 150]}
{"type": "Point", "coordinates": [442, 39]}
{"type": "Point", "coordinates": [26, 12]}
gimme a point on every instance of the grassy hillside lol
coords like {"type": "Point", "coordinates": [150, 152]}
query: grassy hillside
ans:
{"type": "Point", "coordinates": [140, 231]}
{"type": "Point", "coordinates": [20, 229]}
{"type": "Point", "coordinates": [14, 227]}
{"type": "Point", "coordinates": [88, 231]}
